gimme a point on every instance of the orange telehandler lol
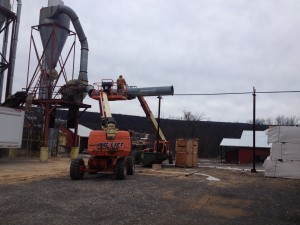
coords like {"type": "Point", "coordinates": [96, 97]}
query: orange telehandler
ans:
{"type": "Point", "coordinates": [161, 149]}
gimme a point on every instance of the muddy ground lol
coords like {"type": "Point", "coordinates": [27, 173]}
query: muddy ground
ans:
{"type": "Point", "coordinates": [42, 193]}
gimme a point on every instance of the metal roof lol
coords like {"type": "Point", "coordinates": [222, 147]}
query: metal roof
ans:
{"type": "Point", "coordinates": [261, 139]}
{"type": "Point", "coordinates": [232, 142]}
{"type": "Point", "coordinates": [246, 140]}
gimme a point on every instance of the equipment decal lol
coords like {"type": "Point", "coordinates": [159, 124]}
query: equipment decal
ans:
{"type": "Point", "coordinates": [110, 145]}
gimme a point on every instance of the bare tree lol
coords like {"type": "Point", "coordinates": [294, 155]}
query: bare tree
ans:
{"type": "Point", "coordinates": [262, 121]}
{"type": "Point", "coordinates": [189, 116]}
{"type": "Point", "coordinates": [190, 124]}
{"type": "Point", "coordinates": [282, 120]}
{"type": "Point", "coordinates": [279, 120]}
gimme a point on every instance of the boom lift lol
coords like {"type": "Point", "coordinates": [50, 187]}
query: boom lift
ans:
{"type": "Point", "coordinates": [109, 148]}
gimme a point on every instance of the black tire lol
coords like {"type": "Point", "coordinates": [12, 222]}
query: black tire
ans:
{"type": "Point", "coordinates": [170, 158]}
{"type": "Point", "coordinates": [120, 171]}
{"type": "Point", "coordinates": [138, 157]}
{"type": "Point", "coordinates": [130, 165]}
{"type": "Point", "coordinates": [77, 169]}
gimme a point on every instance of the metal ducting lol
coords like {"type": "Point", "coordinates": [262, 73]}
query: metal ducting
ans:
{"type": "Point", "coordinates": [150, 91]}
{"type": "Point", "coordinates": [62, 9]}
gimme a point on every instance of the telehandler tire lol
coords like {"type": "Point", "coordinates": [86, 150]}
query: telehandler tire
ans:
{"type": "Point", "coordinates": [77, 169]}
{"type": "Point", "coordinates": [170, 159]}
{"type": "Point", "coordinates": [121, 169]}
{"type": "Point", "coordinates": [130, 165]}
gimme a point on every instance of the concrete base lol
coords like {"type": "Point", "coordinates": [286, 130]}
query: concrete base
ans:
{"type": "Point", "coordinates": [74, 152]}
{"type": "Point", "coordinates": [44, 154]}
{"type": "Point", "coordinates": [156, 166]}
{"type": "Point", "coordinates": [12, 153]}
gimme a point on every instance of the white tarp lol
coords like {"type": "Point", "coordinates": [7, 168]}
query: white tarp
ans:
{"type": "Point", "coordinates": [284, 159]}
{"type": "Point", "coordinates": [285, 169]}
{"type": "Point", "coordinates": [285, 151]}
{"type": "Point", "coordinates": [284, 134]}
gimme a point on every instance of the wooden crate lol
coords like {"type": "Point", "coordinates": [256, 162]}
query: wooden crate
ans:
{"type": "Point", "coordinates": [186, 145]}
{"type": "Point", "coordinates": [195, 159]}
{"type": "Point", "coordinates": [195, 145]}
{"type": "Point", "coordinates": [184, 159]}
{"type": "Point", "coordinates": [180, 149]}
{"type": "Point", "coordinates": [181, 142]}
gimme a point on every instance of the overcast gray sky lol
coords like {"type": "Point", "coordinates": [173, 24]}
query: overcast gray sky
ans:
{"type": "Point", "coordinates": [198, 46]}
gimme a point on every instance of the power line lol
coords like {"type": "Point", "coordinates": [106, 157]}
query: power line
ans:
{"type": "Point", "coordinates": [229, 93]}
{"type": "Point", "coordinates": [276, 92]}
{"type": "Point", "coordinates": [238, 93]}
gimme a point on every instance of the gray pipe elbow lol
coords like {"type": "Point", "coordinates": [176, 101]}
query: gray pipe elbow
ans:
{"type": "Point", "coordinates": [82, 38]}
{"type": "Point", "coordinates": [76, 23]}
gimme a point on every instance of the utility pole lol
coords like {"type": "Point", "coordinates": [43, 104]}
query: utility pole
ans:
{"type": "Point", "coordinates": [158, 128]}
{"type": "Point", "coordinates": [253, 170]}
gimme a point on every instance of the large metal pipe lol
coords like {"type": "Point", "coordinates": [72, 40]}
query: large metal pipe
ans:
{"type": "Point", "coordinates": [3, 61]}
{"type": "Point", "coordinates": [82, 38]}
{"type": "Point", "coordinates": [14, 43]}
{"type": "Point", "coordinates": [150, 91]}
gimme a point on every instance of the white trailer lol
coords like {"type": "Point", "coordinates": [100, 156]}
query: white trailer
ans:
{"type": "Point", "coordinates": [11, 127]}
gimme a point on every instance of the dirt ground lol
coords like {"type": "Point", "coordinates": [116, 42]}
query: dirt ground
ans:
{"type": "Point", "coordinates": [209, 194]}
{"type": "Point", "coordinates": [26, 170]}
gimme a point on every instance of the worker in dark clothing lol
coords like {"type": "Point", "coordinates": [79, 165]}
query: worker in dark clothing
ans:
{"type": "Point", "coordinates": [121, 83]}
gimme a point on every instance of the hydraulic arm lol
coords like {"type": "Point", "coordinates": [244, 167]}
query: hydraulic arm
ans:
{"type": "Point", "coordinates": [151, 117]}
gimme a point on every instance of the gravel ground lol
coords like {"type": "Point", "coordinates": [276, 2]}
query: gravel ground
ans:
{"type": "Point", "coordinates": [167, 196]}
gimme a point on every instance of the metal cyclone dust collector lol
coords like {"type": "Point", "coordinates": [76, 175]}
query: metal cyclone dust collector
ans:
{"type": "Point", "coordinates": [54, 30]}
